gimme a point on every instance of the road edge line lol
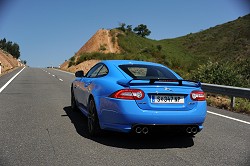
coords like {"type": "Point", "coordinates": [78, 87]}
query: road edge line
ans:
{"type": "Point", "coordinates": [7, 83]}
{"type": "Point", "coordinates": [228, 117]}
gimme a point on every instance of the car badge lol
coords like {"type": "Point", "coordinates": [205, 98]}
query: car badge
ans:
{"type": "Point", "coordinates": [167, 89]}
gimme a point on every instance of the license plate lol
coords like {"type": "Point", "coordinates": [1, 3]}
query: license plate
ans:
{"type": "Point", "coordinates": [167, 99]}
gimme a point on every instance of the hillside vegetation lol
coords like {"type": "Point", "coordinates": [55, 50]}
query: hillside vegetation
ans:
{"type": "Point", "coordinates": [218, 55]}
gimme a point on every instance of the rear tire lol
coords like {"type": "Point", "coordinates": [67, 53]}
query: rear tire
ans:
{"type": "Point", "coordinates": [73, 102]}
{"type": "Point", "coordinates": [93, 121]}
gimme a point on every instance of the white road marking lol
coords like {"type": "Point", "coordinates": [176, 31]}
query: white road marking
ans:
{"type": "Point", "coordinates": [54, 76]}
{"type": "Point", "coordinates": [7, 83]}
{"type": "Point", "coordinates": [228, 117]}
{"type": "Point", "coordinates": [64, 71]}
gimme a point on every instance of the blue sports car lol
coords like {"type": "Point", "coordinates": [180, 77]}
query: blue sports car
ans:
{"type": "Point", "coordinates": [137, 96]}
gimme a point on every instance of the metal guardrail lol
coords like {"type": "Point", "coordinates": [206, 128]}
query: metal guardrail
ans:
{"type": "Point", "coordinates": [227, 90]}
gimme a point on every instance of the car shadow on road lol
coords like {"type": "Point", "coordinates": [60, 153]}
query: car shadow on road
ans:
{"type": "Point", "coordinates": [129, 141]}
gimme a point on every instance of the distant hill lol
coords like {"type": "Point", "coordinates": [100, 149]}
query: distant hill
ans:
{"type": "Point", "coordinates": [226, 43]}
{"type": "Point", "coordinates": [229, 41]}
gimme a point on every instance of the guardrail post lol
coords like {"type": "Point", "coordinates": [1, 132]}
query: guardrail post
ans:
{"type": "Point", "coordinates": [232, 104]}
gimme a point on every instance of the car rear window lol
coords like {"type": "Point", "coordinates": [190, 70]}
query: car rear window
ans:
{"type": "Point", "coordinates": [147, 72]}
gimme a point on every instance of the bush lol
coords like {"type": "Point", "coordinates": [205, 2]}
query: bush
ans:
{"type": "Point", "coordinates": [219, 73]}
{"type": "Point", "coordinates": [113, 40]}
{"type": "Point", "coordinates": [242, 105]}
{"type": "Point", "coordinates": [72, 58]}
{"type": "Point", "coordinates": [71, 63]}
{"type": "Point", "coordinates": [159, 47]}
{"type": "Point", "coordinates": [102, 47]}
{"type": "Point", "coordinates": [80, 59]}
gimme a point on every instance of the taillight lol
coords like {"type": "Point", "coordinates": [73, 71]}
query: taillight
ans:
{"type": "Point", "coordinates": [128, 94]}
{"type": "Point", "coordinates": [198, 95]}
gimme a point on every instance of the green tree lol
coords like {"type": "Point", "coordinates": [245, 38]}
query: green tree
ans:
{"type": "Point", "coordinates": [15, 50]}
{"type": "Point", "coordinates": [2, 43]}
{"type": "Point", "coordinates": [122, 27]}
{"type": "Point", "coordinates": [12, 48]}
{"type": "Point", "coordinates": [142, 30]}
{"type": "Point", "coordinates": [129, 28]}
{"type": "Point", "coordinates": [24, 62]}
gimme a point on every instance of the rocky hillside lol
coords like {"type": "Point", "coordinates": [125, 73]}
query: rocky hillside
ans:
{"type": "Point", "coordinates": [7, 61]}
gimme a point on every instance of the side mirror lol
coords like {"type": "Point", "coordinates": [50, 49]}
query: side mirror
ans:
{"type": "Point", "coordinates": [79, 73]}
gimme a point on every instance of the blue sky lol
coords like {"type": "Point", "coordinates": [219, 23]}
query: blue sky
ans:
{"type": "Point", "coordinates": [51, 31]}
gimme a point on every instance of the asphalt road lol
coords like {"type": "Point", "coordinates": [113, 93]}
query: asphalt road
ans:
{"type": "Point", "coordinates": [37, 127]}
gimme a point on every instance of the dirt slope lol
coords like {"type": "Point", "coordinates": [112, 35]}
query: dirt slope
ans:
{"type": "Point", "coordinates": [7, 61]}
{"type": "Point", "coordinates": [102, 41]}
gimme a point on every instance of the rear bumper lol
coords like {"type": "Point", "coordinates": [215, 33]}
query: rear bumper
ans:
{"type": "Point", "coordinates": [123, 115]}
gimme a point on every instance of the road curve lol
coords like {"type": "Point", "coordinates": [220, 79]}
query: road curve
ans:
{"type": "Point", "coordinates": [37, 127]}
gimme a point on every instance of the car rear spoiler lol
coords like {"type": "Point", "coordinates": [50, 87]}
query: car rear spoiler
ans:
{"type": "Point", "coordinates": [127, 82]}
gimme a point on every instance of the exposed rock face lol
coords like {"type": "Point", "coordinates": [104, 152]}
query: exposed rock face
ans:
{"type": "Point", "coordinates": [102, 41]}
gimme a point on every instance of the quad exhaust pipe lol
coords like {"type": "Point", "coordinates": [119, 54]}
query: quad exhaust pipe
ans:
{"type": "Point", "coordinates": [191, 130]}
{"type": "Point", "coordinates": [143, 130]}
{"type": "Point", "coordinates": [138, 130]}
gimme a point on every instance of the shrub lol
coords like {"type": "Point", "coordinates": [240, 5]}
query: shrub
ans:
{"type": "Point", "coordinates": [102, 47]}
{"type": "Point", "coordinates": [159, 47]}
{"type": "Point", "coordinates": [72, 58]}
{"type": "Point", "coordinates": [113, 40]}
{"type": "Point", "coordinates": [71, 63]}
{"type": "Point", "coordinates": [81, 59]}
{"type": "Point", "coordinates": [242, 105]}
{"type": "Point", "coordinates": [219, 73]}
